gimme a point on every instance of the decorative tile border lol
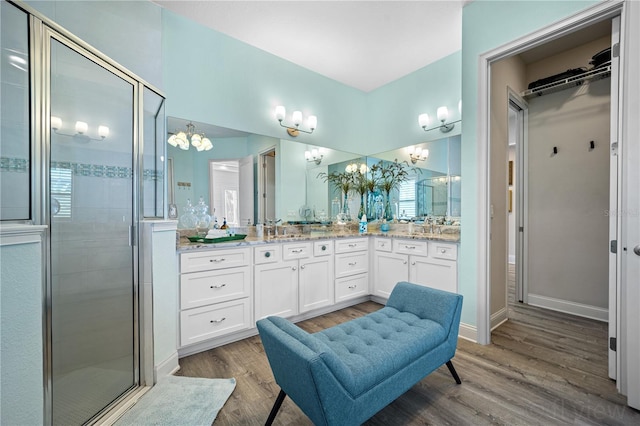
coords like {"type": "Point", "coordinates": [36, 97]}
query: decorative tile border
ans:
{"type": "Point", "coordinates": [21, 165]}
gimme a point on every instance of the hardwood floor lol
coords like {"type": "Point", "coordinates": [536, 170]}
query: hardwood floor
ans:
{"type": "Point", "coordinates": [543, 368]}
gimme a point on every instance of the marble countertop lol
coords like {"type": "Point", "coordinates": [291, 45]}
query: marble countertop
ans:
{"type": "Point", "coordinates": [185, 245]}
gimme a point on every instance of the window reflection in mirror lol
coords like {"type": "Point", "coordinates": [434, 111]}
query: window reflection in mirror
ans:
{"type": "Point", "coordinates": [435, 190]}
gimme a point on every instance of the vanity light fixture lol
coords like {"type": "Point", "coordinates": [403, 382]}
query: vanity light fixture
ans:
{"type": "Point", "coordinates": [181, 139]}
{"type": "Point", "coordinates": [296, 118]}
{"type": "Point", "coordinates": [81, 128]}
{"type": "Point", "coordinates": [442, 114]}
{"type": "Point", "coordinates": [416, 154]}
{"type": "Point", "coordinates": [315, 155]}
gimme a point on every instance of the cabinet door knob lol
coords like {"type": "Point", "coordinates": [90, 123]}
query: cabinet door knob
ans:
{"type": "Point", "coordinates": [301, 266]}
{"type": "Point", "coordinates": [218, 286]}
{"type": "Point", "coordinates": [413, 263]}
{"type": "Point", "coordinates": [293, 268]}
{"type": "Point", "coordinates": [217, 321]}
{"type": "Point", "coordinates": [443, 251]}
{"type": "Point", "coordinates": [267, 254]}
{"type": "Point", "coordinates": [404, 263]}
{"type": "Point", "coordinates": [324, 248]}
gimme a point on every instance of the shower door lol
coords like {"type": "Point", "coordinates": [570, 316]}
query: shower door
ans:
{"type": "Point", "coordinates": [92, 304]}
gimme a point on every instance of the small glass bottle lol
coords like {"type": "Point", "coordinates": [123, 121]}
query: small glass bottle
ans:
{"type": "Point", "coordinates": [224, 223]}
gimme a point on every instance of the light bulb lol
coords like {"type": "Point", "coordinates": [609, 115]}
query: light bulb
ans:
{"type": "Point", "coordinates": [103, 131]}
{"type": "Point", "coordinates": [314, 153]}
{"type": "Point", "coordinates": [81, 127]}
{"type": "Point", "coordinates": [443, 113]}
{"type": "Point", "coordinates": [423, 120]}
{"type": "Point", "coordinates": [307, 155]}
{"type": "Point", "coordinates": [313, 122]}
{"type": "Point", "coordinates": [296, 117]}
{"type": "Point", "coordinates": [280, 113]}
{"type": "Point", "coordinates": [172, 140]}
{"type": "Point", "coordinates": [56, 123]}
{"type": "Point", "coordinates": [425, 154]}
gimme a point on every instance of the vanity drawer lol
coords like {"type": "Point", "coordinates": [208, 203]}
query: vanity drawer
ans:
{"type": "Point", "coordinates": [410, 247]}
{"type": "Point", "coordinates": [351, 245]}
{"type": "Point", "coordinates": [216, 320]}
{"type": "Point", "coordinates": [444, 251]}
{"type": "Point", "coordinates": [323, 248]}
{"type": "Point", "coordinates": [347, 264]}
{"type": "Point", "coordinates": [204, 288]}
{"type": "Point", "coordinates": [296, 250]}
{"type": "Point", "coordinates": [351, 287]}
{"type": "Point", "coordinates": [213, 259]}
{"type": "Point", "coordinates": [268, 253]}
{"type": "Point", "coordinates": [383, 244]}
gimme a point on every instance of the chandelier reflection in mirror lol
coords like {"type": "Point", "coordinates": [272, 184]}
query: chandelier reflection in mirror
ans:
{"type": "Point", "coordinates": [182, 139]}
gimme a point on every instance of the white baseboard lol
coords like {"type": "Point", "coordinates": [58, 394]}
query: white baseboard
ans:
{"type": "Point", "coordinates": [498, 318]}
{"type": "Point", "coordinates": [468, 332]}
{"type": "Point", "coordinates": [166, 367]}
{"type": "Point", "coordinates": [566, 306]}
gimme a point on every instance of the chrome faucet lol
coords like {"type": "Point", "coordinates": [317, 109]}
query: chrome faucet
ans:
{"type": "Point", "coordinates": [273, 224]}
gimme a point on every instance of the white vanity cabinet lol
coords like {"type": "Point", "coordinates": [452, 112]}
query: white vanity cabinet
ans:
{"type": "Point", "coordinates": [428, 263]}
{"type": "Point", "coordinates": [351, 268]}
{"type": "Point", "coordinates": [215, 294]}
{"type": "Point", "coordinates": [297, 280]}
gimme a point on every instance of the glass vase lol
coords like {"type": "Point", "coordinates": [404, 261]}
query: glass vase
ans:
{"type": "Point", "coordinates": [388, 212]}
{"type": "Point", "coordinates": [361, 210]}
{"type": "Point", "coordinates": [346, 214]}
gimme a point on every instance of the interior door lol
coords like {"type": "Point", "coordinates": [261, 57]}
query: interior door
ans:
{"type": "Point", "coordinates": [613, 203]}
{"type": "Point", "coordinates": [92, 294]}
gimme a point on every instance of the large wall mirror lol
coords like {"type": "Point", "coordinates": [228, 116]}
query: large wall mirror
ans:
{"type": "Point", "coordinates": [248, 178]}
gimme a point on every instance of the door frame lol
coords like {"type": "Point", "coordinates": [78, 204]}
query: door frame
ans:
{"type": "Point", "coordinates": [262, 182]}
{"type": "Point", "coordinates": [521, 199]}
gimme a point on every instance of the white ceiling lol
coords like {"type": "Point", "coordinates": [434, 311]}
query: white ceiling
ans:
{"type": "Point", "coordinates": [363, 44]}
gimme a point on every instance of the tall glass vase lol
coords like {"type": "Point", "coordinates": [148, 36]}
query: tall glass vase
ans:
{"type": "Point", "coordinates": [346, 214]}
{"type": "Point", "coordinates": [361, 211]}
{"type": "Point", "coordinates": [388, 211]}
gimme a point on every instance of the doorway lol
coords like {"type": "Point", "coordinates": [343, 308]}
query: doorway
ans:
{"type": "Point", "coordinates": [267, 186]}
{"type": "Point", "coordinates": [558, 198]}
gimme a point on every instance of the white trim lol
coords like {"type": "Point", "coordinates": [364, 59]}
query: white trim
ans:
{"type": "Point", "coordinates": [556, 30]}
{"type": "Point", "coordinates": [468, 332]}
{"type": "Point", "coordinates": [11, 235]}
{"type": "Point", "coordinates": [498, 318]}
{"type": "Point", "coordinates": [161, 225]}
{"type": "Point", "coordinates": [512, 259]}
{"type": "Point", "coordinates": [569, 307]}
{"type": "Point", "coordinates": [166, 367]}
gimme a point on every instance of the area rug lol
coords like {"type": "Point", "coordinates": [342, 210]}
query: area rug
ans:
{"type": "Point", "coordinates": [184, 401]}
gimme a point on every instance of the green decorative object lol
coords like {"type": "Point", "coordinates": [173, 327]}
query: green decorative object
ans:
{"type": "Point", "coordinates": [217, 240]}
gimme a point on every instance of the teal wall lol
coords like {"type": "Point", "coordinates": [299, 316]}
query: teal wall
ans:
{"type": "Point", "coordinates": [393, 109]}
{"type": "Point", "coordinates": [212, 78]}
{"type": "Point", "coordinates": [487, 25]}
{"type": "Point", "coordinates": [21, 350]}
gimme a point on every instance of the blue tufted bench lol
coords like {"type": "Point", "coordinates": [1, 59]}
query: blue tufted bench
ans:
{"type": "Point", "coordinates": [345, 374]}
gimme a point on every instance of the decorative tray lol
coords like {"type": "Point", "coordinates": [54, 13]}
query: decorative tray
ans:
{"type": "Point", "coordinates": [217, 240]}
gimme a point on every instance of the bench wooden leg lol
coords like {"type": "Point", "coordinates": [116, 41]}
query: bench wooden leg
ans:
{"type": "Point", "coordinates": [453, 372]}
{"type": "Point", "coordinates": [276, 407]}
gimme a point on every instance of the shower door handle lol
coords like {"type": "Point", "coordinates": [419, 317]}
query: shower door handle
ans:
{"type": "Point", "coordinates": [132, 235]}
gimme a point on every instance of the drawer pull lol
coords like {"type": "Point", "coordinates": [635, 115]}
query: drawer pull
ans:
{"type": "Point", "coordinates": [443, 251]}
{"type": "Point", "coordinates": [410, 247]}
{"type": "Point", "coordinates": [267, 254]}
{"type": "Point", "coordinates": [218, 321]}
{"type": "Point", "coordinates": [353, 245]}
{"type": "Point", "coordinates": [297, 251]}
{"type": "Point", "coordinates": [324, 248]}
{"type": "Point", "coordinates": [218, 286]}
{"type": "Point", "coordinates": [352, 263]}
{"type": "Point", "coordinates": [353, 286]}
{"type": "Point", "coordinates": [222, 259]}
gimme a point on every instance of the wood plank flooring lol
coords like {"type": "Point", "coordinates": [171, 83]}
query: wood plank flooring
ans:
{"type": "Point", "coordinates": [542, 368]}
